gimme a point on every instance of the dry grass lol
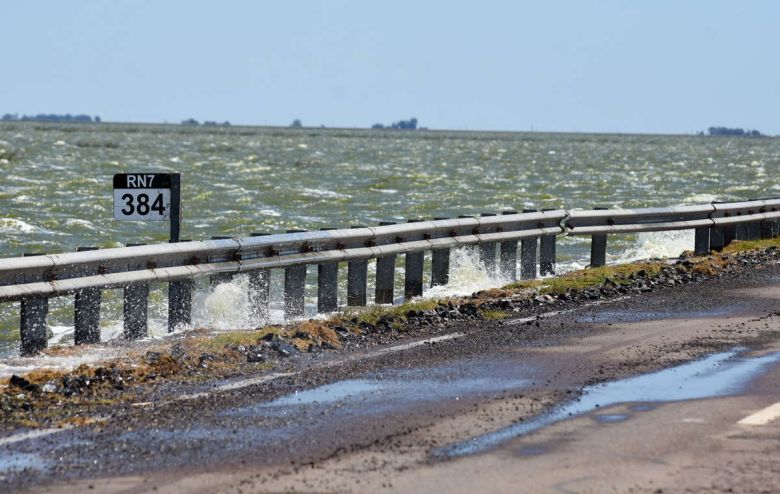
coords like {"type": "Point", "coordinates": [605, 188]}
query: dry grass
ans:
{"type": "Point", "coordinates": [320, 331]}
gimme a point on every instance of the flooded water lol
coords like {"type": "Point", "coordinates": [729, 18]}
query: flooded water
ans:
{"type": "Point", "coordinates": [56, 189]}
{"type": "Point", "coordinates": [396, 390]}
{"type": "Point", "coordinates": [716, 375]}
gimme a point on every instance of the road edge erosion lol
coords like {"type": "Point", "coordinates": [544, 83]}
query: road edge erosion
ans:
{"type": "Point", "coordinates": [151, 371]}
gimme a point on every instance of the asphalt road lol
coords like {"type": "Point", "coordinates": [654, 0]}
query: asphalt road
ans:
{"type": "Point", "coordinates": [552, 405]}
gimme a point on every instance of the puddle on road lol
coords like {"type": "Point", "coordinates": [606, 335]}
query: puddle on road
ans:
{"type": "Point", "coordinates": [12, 462]}
{"type": "Point", "coordinates": [611, 418]}
{"type": "Point", "coordinates": [617, 316]}
{"type": "Point", "coordinates": [399, 389]}
{"type": "Point", "coordinates": [360, 396]}
{"type": "Point", "coordinates": [717, 375]}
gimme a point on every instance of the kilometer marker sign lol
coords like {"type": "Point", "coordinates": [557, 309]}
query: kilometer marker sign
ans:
{"type": "Point", "coordinates": [143, 196]}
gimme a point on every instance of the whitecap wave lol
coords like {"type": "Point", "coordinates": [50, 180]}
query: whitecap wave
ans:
{"type": "Point", "coordinates": [323, 193]}
{"type": "Point", "coordinates": [12, 225]}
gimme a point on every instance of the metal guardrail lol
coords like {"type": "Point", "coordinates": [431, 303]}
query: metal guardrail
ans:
{"type": "Point", "coordinates": [33, 279]}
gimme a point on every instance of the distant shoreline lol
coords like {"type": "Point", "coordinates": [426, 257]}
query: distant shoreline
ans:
{"type": "Point", "coordinates": [336, 130]}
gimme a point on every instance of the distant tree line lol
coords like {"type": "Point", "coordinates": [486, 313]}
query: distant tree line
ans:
{"type": "Point", "coordinates": [410, 124]}
{"type": "Point", "coordinates": [207, 123]}
{"type": "Point", "coordinates": [50, 117]}
{"type": "Point", "coordinates": [727, 131]}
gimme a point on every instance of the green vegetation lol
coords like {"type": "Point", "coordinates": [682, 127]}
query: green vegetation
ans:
{"type": "Point", "coordinates": [588, 278]}
{"type": "Point", "coordinates": [50, 117]}
{"type": "Point", "coordinates": [737, 131]}
{"type": "Point", "coordinates": [410, 124]}
{"type": "Point", "coordinates": [743, 245]}
{"type": "Point", "coordinates": [372, 314]}
{"type": "Point", "coordinates": [231, 339]}
{"type": "Point", "coordinates": [494, 315]}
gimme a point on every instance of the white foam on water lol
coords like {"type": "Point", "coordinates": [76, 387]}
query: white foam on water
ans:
{"type": "Point", "coordinates": [701, 198]}
{"type": "Point", "coordinates": [651, 245]}
{"type": "Point", "coordinates": [79, 222]}
{"type": "Point", "coordinates": [227, 306]}
{"type": "Point", "coordinates": [467, 275]}
{"type": "Point", "coordinates": [12, 225]}
{"type": "Point", "coordinates": [323, 193]}
{"type": "Point", "coordinates": [224, 306]}
{"type": "Point", "coordinates": [61, 333]}
{"type": "Point", "coordinates": [566, 267]}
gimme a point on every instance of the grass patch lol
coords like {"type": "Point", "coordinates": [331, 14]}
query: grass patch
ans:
{"type": "Point", "coordinates": [219, 341]}
{"type": "Point", "coordinates": [620, 274]}
{"type": "Point", "coordinates": [372, 314]}
{"type": "Point", "coordinates": [744, 245]}
{"type": "Point", "coordinates": [494, 315]}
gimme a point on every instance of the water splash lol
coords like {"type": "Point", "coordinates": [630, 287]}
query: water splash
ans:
{"type": "Point", "coordinates": [467, 275]}
{"type": "Point", "coordinates": [224, 306]}
{"type": "Point", "coordinates": [651, 245]}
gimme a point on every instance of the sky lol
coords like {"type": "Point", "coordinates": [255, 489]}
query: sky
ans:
{"type": "Point", "coordinates": [657, 66]}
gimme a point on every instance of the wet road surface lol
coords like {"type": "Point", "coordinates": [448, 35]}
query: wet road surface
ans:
{"type": "Point", "coordinates": [623, 395]}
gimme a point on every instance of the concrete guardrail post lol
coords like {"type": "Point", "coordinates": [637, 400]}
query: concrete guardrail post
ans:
{"type": "Point", "coordinates": [766, 229]}
{"type": "Point", "coordinates": [754, 230]}
{"type": "Point", "coordinates": [259, 290]}
{"type": "Point", "coordinates": [487, 250]}
{"type": "Point", "coordinates": [775, 227]}
{"type": "Point", "coordinates": [507, 264]}
{"type": "Point", "coordinates": [327, 285]}
{"type": "Point", "coordinates": [547, 253]}
{"type": "Point", "coordinates": [294, 288]}
{"type": "Point", "coordinates": [136, 298]}
{"type": "Point", "coordinates": [729, 233]}
{"type": "Point", "coordinates": [180, 302]}
{"type": "Point", "coordinates": [413, 272]}
{"type": "Point", "coordinates": [32, 323]}
{"type": "Point", "coordinates": [718, 238]}
{"type": "Point", "coordinates": [702, 241]}
{"type": "Point", "coordinates": [528, 251]}
{"type": "Point", "coordinates": [440, 264]}
{"type": "Point", "coordinates": [136, 308]}
{"type": "Point", "coordinates": [357, 280]}
{"type": "Point", "coordinates": [598, 248]}
{"type": "Point", "coordinates": [385, 275]}
{"type": "Point", "coordinates": [741, 231]}
{"type": "Point", "coordinates": [86, 314]}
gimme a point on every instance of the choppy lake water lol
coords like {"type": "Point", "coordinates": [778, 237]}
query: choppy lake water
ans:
{"type": "Point", "coordinates": [56, 186]}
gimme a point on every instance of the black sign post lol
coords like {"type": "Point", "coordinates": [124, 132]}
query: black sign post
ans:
{"type": "Point", "coordinates": [175, 206]}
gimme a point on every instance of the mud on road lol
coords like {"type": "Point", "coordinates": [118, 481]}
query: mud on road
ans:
{"type": "Point", "coordinates": [379, 417]}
